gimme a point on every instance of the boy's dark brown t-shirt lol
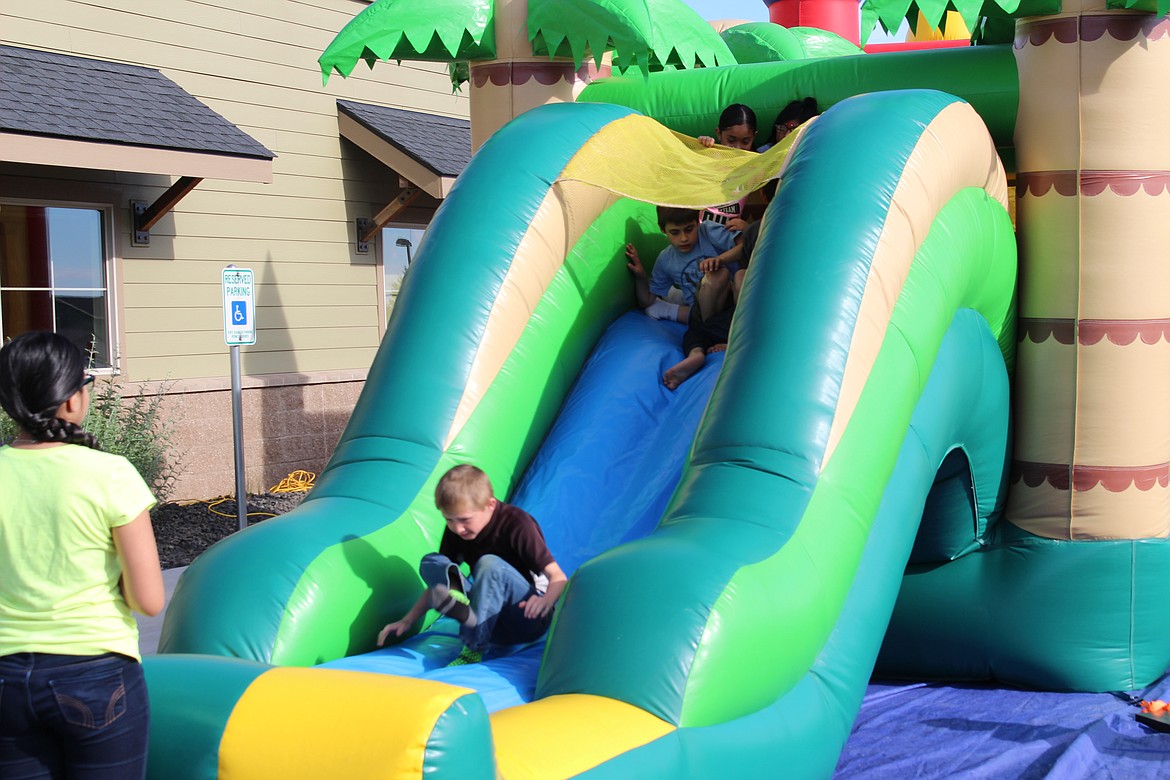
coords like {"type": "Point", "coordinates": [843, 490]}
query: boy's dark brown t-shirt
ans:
{"type": "Point", "coordinates": [512, 534]}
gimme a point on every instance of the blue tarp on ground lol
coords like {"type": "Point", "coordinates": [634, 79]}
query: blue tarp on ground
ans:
{"type": "Point", "coordinates": [934, 730]}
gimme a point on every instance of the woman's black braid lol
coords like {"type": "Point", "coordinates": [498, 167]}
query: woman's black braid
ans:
{"type": "Point", "coordinates": [56, 429]}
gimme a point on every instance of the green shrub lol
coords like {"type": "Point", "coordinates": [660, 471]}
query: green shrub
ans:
{"type": "Point", "coordinates": [8, 428]}
{"type": "Point", "coordinates": [135, 428]}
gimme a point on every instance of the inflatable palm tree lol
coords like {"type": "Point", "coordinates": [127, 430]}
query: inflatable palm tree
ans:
{"type": "Point", "coordinates": [1092, 440]}
{"type": "Point", "coordinates": [524, 53]}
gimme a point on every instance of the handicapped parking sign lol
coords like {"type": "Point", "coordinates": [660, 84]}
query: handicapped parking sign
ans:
{"type": "Point", "coordinates": [239, 307]}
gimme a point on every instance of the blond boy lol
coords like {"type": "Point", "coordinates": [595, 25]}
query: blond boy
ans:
{"type": "Point", "coordinates": [515, 581]}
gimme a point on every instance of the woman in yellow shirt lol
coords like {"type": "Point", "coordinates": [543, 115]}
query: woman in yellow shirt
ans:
{"type": "Point", "coordinates": [77, 554]}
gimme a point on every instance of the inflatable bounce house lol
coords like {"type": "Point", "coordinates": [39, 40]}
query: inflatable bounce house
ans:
{"type": "Point", "coordinates": [937, 447]}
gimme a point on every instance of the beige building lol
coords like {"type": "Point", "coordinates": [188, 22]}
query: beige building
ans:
{"type": "Point", "coordinates": [146, 146]}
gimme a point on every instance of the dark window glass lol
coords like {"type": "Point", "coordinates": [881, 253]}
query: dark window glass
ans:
{"type": "Point", "coordinates": [53, 275]}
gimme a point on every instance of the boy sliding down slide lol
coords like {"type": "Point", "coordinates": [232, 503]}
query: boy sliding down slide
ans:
{"type": "Point", "coordinates": [515, 581]}
{"type": "Point", "coordinates": [702, 260]}
{"type": "Point", "coordinates": [707, 335]}
{"type": "Point", "coordinates": [677, 278]}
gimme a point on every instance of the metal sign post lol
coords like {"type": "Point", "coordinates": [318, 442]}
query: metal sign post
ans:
{"type": "Point", "coordinates": [239, 328]}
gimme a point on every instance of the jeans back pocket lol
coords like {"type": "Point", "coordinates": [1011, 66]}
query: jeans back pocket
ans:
{"type": "Point", "coordinates": [93, 700]}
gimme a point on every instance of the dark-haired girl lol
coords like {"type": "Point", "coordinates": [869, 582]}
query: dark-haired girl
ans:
{"type": "Point", "coordinates": [737, 129]}
{"type": "Point", "coordinates": [791, 117]}
{"type": "Point", "coordinates": [77, 554]}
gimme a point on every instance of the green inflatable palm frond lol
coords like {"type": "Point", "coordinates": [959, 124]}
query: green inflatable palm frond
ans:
{"type": "Point", "coordinates": [767, 42]}
{"type": "Point", "coordinates": [649, 34]}
{"type": "Point", "coordinates": [1156, 7]}
{"type": "Point", "coordinates": [427, 30]}
{"type": "Point", "coordinates": [891, 12]}
{"type": "Point", "coordinates": [822, 43]}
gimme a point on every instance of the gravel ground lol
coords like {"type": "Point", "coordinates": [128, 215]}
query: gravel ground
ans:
{"type": "Point", "coordinates": [185, 529]}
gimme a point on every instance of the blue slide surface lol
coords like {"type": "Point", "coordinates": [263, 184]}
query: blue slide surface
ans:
{"type": "Point", "coordinates": [621, 475]}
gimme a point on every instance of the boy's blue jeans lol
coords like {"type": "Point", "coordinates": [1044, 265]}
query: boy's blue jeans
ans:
{"type": "Point", "coordinates": [72, 716]}
{"type": "Point", "coordinates": [495, 590]}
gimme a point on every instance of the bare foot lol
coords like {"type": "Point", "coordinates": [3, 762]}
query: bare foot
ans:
{"type": "Point", "coordinates": [684, 369]}
{"type": "Point", "coordinates": [675, 376]}
{"type": "Point", "coordinates": [716, 348]}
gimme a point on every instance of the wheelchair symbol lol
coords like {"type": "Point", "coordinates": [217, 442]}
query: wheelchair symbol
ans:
{"type": "Point", "coordinates": [239, 312]}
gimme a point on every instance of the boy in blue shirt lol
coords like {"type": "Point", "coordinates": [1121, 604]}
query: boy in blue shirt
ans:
{"type": "Point", "coordinates": [677, 279]}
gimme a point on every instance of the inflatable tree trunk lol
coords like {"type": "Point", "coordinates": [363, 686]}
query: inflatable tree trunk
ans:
{"type": "Point", "coordinates": [1093, 373]}
{"type": "Point", "coordinates": [517, 81]}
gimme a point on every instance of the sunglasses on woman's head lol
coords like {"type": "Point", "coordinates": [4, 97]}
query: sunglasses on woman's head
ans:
{"type": "Point", "coordinates": [89, 378]}
{"type": "Point", "coordinates": [787, 127]}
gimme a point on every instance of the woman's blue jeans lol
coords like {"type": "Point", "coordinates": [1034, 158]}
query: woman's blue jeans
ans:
{"type": "Point", "coordinates": [495, 590]}
{"type": "Point", "coordinates": [80, 717]}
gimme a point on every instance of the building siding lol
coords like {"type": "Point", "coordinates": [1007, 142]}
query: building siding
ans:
{"type": "Point", "coordinates": [319, 313]}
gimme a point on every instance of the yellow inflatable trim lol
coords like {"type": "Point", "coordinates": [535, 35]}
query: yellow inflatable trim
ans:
{"type": "Point", "coordinates": [375, 725]}
{"type": "Point", "coordinates": [563, 736]}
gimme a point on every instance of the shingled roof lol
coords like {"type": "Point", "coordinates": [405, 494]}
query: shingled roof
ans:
{"type": "Point", "coordinates": [442, 144]}
{"type": "Point", "coordinates": [68, 97]}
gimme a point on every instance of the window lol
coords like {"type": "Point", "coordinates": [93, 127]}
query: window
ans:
{"type": "Point", "coordinates": [54, 275]}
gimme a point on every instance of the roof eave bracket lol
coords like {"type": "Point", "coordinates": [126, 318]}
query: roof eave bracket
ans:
{"type": "Point", "coordinates": [145, 217]}
{"type": "Point", "coordinates": [367, 228]}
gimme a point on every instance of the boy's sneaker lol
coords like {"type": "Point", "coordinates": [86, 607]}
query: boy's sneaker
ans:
{"type": "Point", "coordinates": [467, 656]}
{"type": "Point", "coordinates": [452, 603]}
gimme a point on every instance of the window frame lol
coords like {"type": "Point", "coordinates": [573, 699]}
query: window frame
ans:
{"type": "Point", "coordinates": [109, 229]}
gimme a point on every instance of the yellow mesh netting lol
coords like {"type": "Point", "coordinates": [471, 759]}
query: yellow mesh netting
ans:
{"type": "Point", "coordinates": [638, 158]}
